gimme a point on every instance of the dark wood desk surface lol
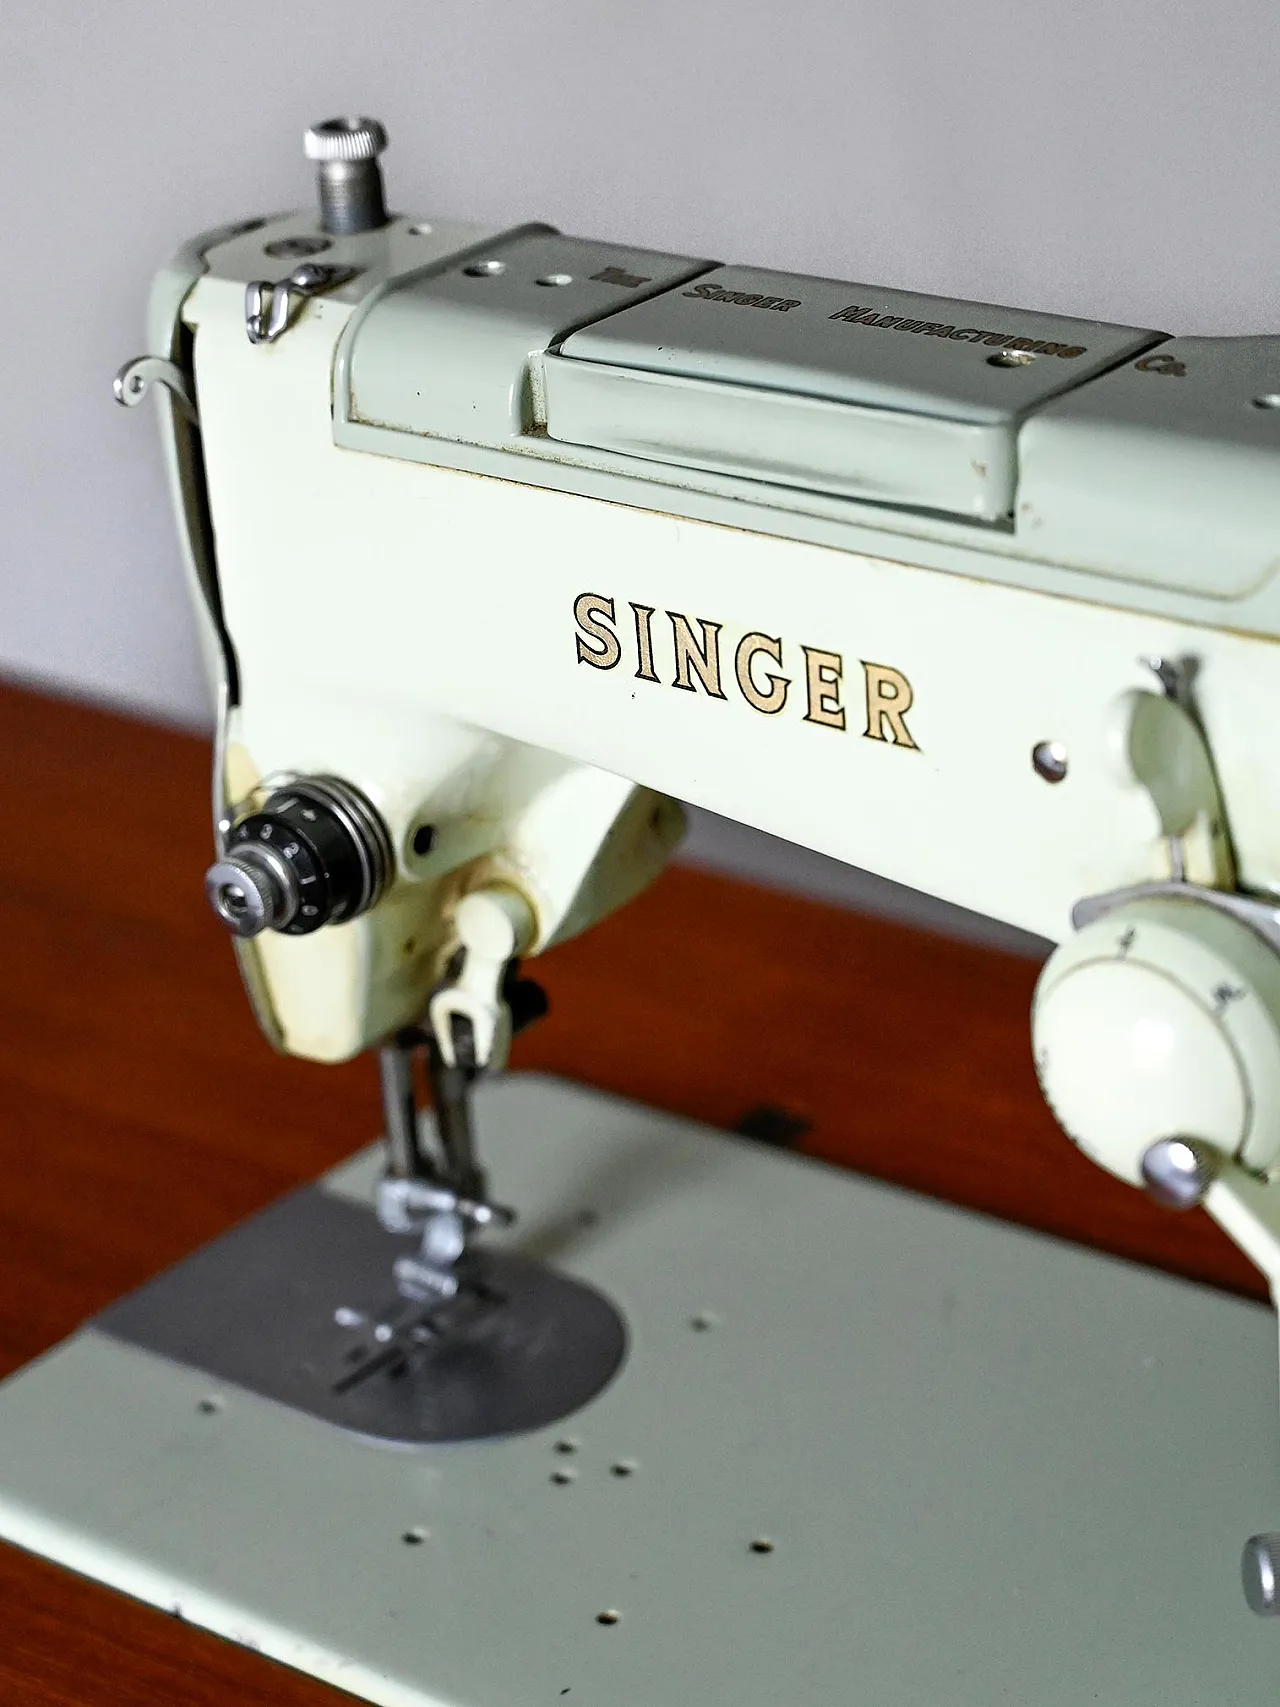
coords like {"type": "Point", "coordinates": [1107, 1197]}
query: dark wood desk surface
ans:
{"type": "Point", "coordinates": [142, 1113]}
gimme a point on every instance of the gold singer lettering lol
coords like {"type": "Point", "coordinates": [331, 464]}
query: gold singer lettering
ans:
{"type": "Point", "coordinates": [696, 655]}
{"type": "Point", "coordinates": [768, 700]}
{"type": "Point", "coordinates": [644, 643]}
{"type": "Point", "coordinates": [824, 670]}
{"type": "Point", "coordinates": [597, 643]}
{"type": "Point", "coordinates": [889, 699]}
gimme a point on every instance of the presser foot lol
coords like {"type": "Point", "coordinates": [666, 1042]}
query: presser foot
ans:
{"type": "Point", "coordinates": [444, 1222]}
{"type": "Point", "coordinates": [438, 1190]}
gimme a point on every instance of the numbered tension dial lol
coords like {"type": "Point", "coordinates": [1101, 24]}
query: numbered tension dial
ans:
{"type": "Point", "coordinates": [316, 853]}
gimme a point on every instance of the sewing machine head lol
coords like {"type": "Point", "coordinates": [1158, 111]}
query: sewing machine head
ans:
{"type": "Point", "coordinates": [504, 541]}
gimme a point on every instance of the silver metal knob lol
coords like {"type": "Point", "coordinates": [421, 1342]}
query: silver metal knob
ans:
{"type": "Point", "coordinates": [345, 151]}
{"type": "Point", "coordinates": [1179, 1171]}
{"type": "Point", "coordinates": [252, 892]}
{"type": "Point", "coordinates": [314, 853]}
{"type": "Point", "coordinates": [345, 139]}
{"type": "Point", "coordinates": [1260, 1568]}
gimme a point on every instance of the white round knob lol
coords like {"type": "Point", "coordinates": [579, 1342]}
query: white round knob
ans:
{"type": "Point", "coordinates": [1161, 1021]}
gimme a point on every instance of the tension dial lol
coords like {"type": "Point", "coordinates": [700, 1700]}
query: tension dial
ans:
{"type": "Point", "coordinates": [315, 853]}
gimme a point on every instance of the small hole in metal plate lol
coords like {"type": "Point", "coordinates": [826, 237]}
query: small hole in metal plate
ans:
{"type": "Point", "coordinates": [421, 230]}
{"type": "Point", "coordinates": [209, 1407]}
{"type": "Point", "coordinates": [297, 248]}
{"type": "Point", "coordinates": [566, 1445]}
{"type": "Point", "coordinates": [556, 279]}
{"type": "Point", "coordinates": [609, 1617]}
{"type": "Point", "coordinates": [624, 1467]}
{"type": "Point", "coordinates": [414, 1537]}
{"type": "Point", "coordinates": [703, 1322]}
{"type": "Point", "coordinates": [760, 1545]}
{"type": "Point", "coordinates": [424, 839]}
{"type": "Point", "coordinates": [1268, 400]}
{"type": "Point", "coordinates": [485, 269]}
{"type": "Point", "coordinates": [1011, 358]}
{"type": "Point", "coordinates": [562, 1478]}
{"type": "Point", "coordinates": [1050, 760]}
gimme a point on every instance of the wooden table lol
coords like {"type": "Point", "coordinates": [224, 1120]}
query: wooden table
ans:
{"type": "Point", "coordinates": [142, 1112]}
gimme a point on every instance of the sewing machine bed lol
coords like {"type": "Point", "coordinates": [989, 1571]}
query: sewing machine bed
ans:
{"type": "Point", "coordinates": [863, 1449]}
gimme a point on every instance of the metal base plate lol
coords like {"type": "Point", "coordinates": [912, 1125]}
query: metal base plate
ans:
{"type": "Point", "coordinates": [864, 1450]}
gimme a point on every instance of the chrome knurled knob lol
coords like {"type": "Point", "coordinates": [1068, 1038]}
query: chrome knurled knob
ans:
{"type": "Point", "coordinates": [348, 139]}
{"type": "Point", "coordinates": [251, 893]}
{"type": "Point", "coordinates": [349, 179]}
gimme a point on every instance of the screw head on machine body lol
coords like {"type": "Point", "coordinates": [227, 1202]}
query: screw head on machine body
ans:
{"type": "Point", "coordinates": [1261, 1570]}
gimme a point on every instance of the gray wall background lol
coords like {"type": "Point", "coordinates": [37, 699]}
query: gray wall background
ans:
{"type": "Point", "coordinates": [1106, 157]}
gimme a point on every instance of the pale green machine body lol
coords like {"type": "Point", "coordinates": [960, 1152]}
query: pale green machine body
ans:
{"type": "Point", "coordinates": [499, 540]}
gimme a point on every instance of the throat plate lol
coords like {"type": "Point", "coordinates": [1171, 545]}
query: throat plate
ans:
{"type": "Point", "coordinates": [297, 1305]}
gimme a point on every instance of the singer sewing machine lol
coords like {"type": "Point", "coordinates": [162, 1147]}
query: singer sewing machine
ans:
{"type": "Point", "coordinates": [501, 543]}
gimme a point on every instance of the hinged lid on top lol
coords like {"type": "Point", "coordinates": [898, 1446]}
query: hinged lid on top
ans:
{"type": "Point", "coordinates": [842, 388]}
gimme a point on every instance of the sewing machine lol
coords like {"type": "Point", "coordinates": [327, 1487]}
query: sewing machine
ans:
{"type": "Point", "coordinates": [502, 543]}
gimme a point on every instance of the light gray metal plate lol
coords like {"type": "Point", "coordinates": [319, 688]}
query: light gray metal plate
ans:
{"type": "Point", "coordinates": [448, 353]}
{"type": "Point", "coordinates": [992, 1468]}
{"type": "Point", "coordinates": [1179, 455]}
